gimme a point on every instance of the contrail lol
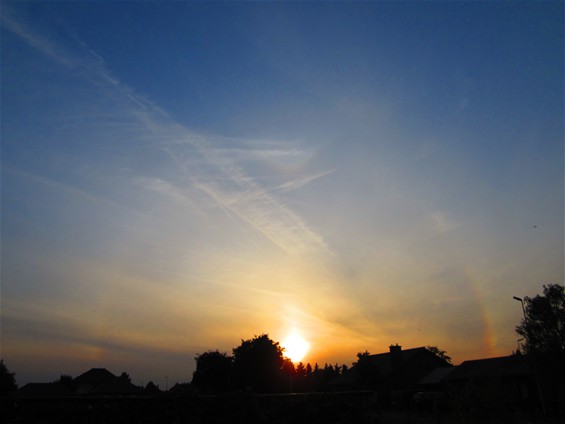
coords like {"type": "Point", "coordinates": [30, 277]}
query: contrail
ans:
{"type": "Point", "coordinates": [218, 175]}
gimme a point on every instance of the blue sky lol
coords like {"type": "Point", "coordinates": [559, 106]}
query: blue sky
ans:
{"type": "Point", "coordinates": [178, 176]}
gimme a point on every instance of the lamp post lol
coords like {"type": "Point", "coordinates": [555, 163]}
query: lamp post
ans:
{"type": "Point", "coordinates": [519, 299]}
{"type": "Point", "coordinates": [536, 375]}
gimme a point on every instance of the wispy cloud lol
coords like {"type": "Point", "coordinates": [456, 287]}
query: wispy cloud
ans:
{"type": "Point", "coordinates": [301, 182]}
{"type": "Point", "coordinates": [203, 164]}
{"type": "Point", "coordinates": [34, 39]}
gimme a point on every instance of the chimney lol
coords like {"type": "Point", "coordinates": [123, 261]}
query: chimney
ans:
{"type": "Point", "coordinates": [395, 355]}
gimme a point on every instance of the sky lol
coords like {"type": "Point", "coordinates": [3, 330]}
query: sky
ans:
{"type": "Point", "coordinates": [179, 176]}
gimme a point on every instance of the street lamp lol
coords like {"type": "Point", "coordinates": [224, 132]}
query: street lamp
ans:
{"type": "Point", "coordinates": [519, 299]}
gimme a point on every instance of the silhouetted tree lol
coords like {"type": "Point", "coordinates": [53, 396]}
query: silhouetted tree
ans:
{"type": "Point", "coordinates": [125, 376]}
{"type": "Point", "coordinates": [258, 365]}
{"type": "Point", "coordinates": [289, 371]}
{"type": "Point", "coordinates": [544, 325]}
{"type": "Point", "coordinates": [362, 356]}
{"type": "Point", "coordinates": [307, 385]}
{"type": "Point", "coordinates": [317, 379]}
{"type": "Point", "coordinates": [330, 373]}
{"type": "Point", "coordinates": [439, 353]}
{"type": "Point", "coordinates": [213, 369]}
{"type": "Point", "coordinates": [313, 378]}
{"type": "Point", "coordinates": [367, 370]}
{"type": "Point", "coordinates": [151, 388]}
{"type": "Point", "coordinates": [288, 366]}
{"type": "Point", "coordinates": [299, 378]}
{"type": "Point", "coordinates": [67, 381]}
{"type": "Point", "coordinates": [7, 380]}
{"type": "Point", "coordinates": [300, 370]}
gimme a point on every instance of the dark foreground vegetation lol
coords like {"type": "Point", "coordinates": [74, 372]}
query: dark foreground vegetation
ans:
{"type": "Point", "coordinates": [246, 408]}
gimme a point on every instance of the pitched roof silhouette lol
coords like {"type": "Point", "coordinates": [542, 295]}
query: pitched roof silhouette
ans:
{"type": "Point", "coordinates": [505, 366]}
{"type": "Point", "coordinates": [394, 369]}
{"type": "Point", "coordinates": [95, 376]}
{"type": "Point", "coordinates": [384, 361]}
{"type": "Point", "coordinates": [44, 389]}
{"type": "Point", "coordinates": [96, 381]}
{"type": "Point", "coordinates": [118, 386]}
{"type": "Point", "coordinates": [151, 388]}
{"type": "Point", "coordinates": [436, 376]}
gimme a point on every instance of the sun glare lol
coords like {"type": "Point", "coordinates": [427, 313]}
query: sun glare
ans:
{"type": "Point", "coordinates": [295, 347]}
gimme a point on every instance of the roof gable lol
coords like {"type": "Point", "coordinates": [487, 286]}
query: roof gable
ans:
{"type": "Point", "coordinates": [397, 367]}
{"type": "Point", "coordinates": [44, 389]}
{"type": "Point", "coordinates": [95, 376]}
{"type": "Point", "coordinates": [505, 366]}
{"type": "Point", "coordinates": [436, 376]}
{"type": "Point", "coordinates": [384, 361]}
{"type": "Point", "coordinates": [118, 386]}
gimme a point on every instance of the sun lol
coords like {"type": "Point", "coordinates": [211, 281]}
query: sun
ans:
{"type": "Point", "coordinates": [295, 347]}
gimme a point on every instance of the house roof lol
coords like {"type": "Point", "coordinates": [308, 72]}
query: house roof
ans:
{"type": "Point", "coordinates": [151, 388]}
{"type": "Point", "coordinates": [505, 366]}
{"type": "Point", "coordinates": [350, 378]}
{"type": "Point", "coordinates": [384, 362]}
{"type": "Point", "coordinates": [118, 386]}
{"type": "Point", "coordinates": [44, 389]}
{"type": "Point", "coordinates": [95, 376]}
{"type": "Point", "coordinates": [97, 381]}
{"type": "Point", "coordinates": [436, 376]}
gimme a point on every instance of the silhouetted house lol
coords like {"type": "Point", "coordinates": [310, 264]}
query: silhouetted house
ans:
{"type": "Point", "coordinates": [117, 387]}
{"type": "Point", "coordinates": [93, 379]}
{"type": "Point", "coordinates": [512, 368]}
{"type": "Point", "coordinates": [517, 379]}
{"type": "Point", "coordinates": [95, 382]}
{"type": "Point", "coordinates": [182, 389]}
{"type": "Point", "coordinates": [435, 380]}
{"type": "Point", "coordinates": [393, 375]}
{"type": "Point", "coordinates": [152, 389]}
{"type": "Point", "coordinates": [44, 389]}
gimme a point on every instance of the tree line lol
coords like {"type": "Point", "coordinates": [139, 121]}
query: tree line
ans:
{"type": "Point", "coordinates": [543, 325]}
{"type": "Point", "coordinates": [259, 365]}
